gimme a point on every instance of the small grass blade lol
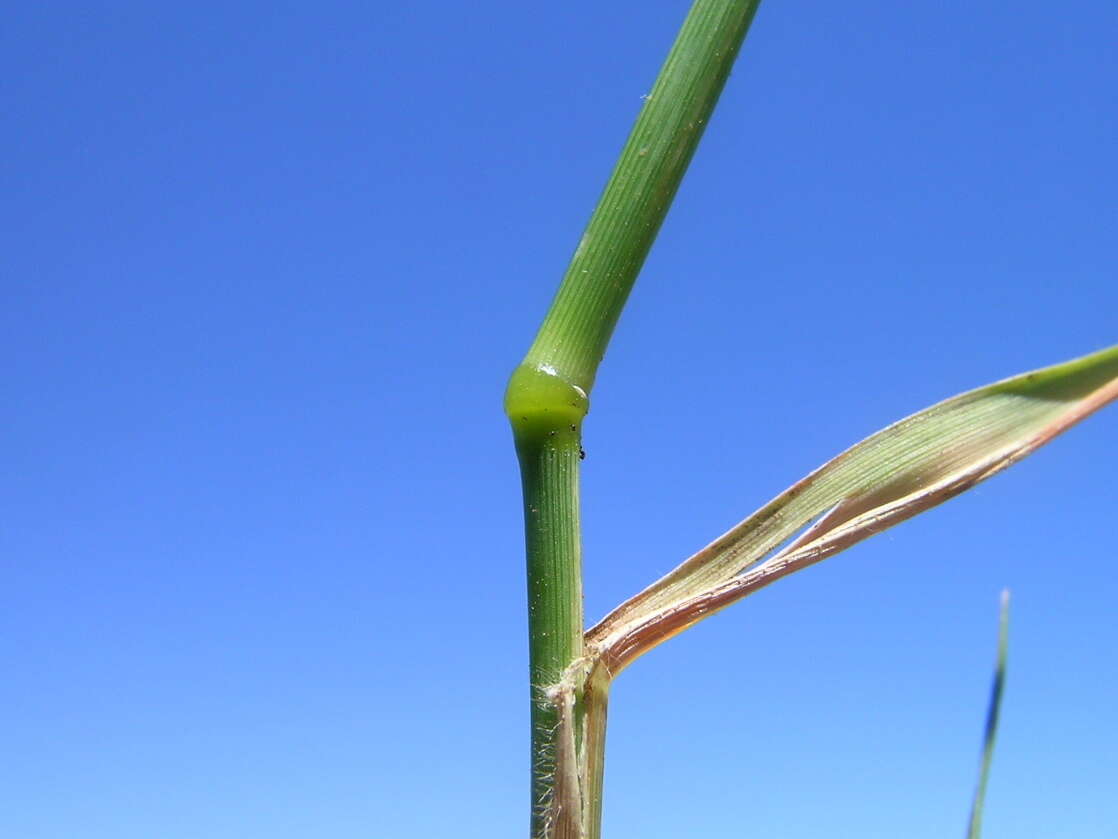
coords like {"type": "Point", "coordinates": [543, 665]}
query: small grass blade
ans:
{"type": "Point", "coordinates": [974, 831]}
{"type": "Point", "coordinates": [891, 476]}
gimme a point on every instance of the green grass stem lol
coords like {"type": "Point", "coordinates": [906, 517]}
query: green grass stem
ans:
{"type": "Point", "coordinates": [577, 328]}
{"type": "Point", "coordinates": [548, 397]}
{"type": "Point", "coordinates": [549, 472]}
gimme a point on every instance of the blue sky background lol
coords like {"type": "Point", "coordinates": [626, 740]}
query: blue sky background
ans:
{"type": "Point", "coordinates": [266, 268]}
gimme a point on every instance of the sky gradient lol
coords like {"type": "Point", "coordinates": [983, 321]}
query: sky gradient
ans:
{"type": "Point", "coordinates": [266, 270]}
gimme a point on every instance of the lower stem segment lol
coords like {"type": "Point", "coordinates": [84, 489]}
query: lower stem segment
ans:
{"type": "Point", "coordinates": [549, 464]}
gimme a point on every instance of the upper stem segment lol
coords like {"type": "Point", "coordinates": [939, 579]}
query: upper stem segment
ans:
{"type": "Point", "coordinates": [573, 337]}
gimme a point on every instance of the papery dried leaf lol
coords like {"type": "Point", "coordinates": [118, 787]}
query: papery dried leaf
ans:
{"type": "Point", "coordinates": [908, 467]}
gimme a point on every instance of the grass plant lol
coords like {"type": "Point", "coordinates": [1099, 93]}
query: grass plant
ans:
{"type": "Point", "coordinates": [903, 470]}
{"type": "Point", "coordinates": [974, 826]}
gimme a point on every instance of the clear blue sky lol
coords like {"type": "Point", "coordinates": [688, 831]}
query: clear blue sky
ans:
{"type": "Point", "coordinates": [265, 269]}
